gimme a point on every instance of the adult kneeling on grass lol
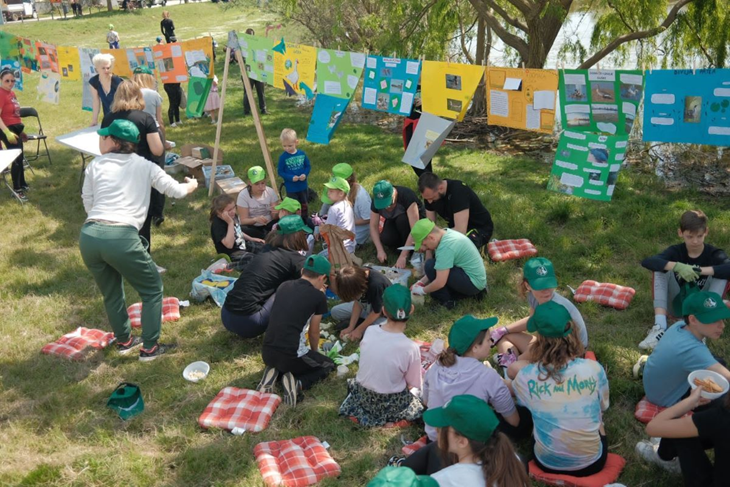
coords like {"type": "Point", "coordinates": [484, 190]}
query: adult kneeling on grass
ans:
{"type": "Point", "coordinates": [116, 196]}
{"type": "Point", "coordinates": [456, 272]}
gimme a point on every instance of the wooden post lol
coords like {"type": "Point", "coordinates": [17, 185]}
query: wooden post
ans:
{"type": "Point", "coordinates": [220, 122]}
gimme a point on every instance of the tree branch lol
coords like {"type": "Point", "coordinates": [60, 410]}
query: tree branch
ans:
{"type": "Point", "coordinates": [465, 49]}
{"type": "Point", "coordinates": [621, 17]}
{"type": "Point", "coordinates": [633, 36]}
{"type": "Point", "coordinates": [699, 42]}
{"type": "Point", "coordinates": [507, 37]}
{"type": "Point", "coordinates": [524, 6]}
{"type": "Point", "coordinates": [507, 18]}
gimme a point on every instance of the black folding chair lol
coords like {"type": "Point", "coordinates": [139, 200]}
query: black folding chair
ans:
{"type": "Point", "coordinates": [39, 137]}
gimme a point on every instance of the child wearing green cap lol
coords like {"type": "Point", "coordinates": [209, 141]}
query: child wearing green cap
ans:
{"type": "Point", "coordinates": [390, 365]}
{"type": "Point", "coordinates": [295, 317]}
{"type": "Point", "coordinates": [294, 168]}
{"type": "Point", "coordinates": [226, 233]}
{"type": "Point", "coordinates": [257, 204]}
{"type": "Point", "coordinates": [358, 198]}
{"type": "Point", "coordinates": [340, 212]}
{"type": "Point", "coordinates": [567, 396]}
{"type": "Point", "coordinates": [475, 453]}
{"type": "Point", "coordinates": [401, 477]}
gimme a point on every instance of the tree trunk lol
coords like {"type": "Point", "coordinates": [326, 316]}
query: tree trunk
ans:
{"type": "Point", "coordinates": [479, 102]}
{"type": "Point", "coordinates": [109, 5]}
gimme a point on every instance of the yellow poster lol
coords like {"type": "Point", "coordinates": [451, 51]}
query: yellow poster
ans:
{"type": "Point", "coordinates": [294, 68]}
{"type": "Point", "coordinates": [199, 57]}
{"type": "Point", "coordinates": [121, 62]}
{"type": "Point", "coordinates": [69, 63]}
{"type": "Point", "coordinates": [522, 98]}
{"type": "Point", "coordinates": [447, 88]}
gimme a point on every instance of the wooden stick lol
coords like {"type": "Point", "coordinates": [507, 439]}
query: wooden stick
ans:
{"type": "Point", "coordinates": [219, 125]}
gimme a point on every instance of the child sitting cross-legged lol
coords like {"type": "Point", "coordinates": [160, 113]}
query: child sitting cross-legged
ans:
{"type": "Point", "coordinates": [225, 230]}
{"type": "Point", "coordinates": [361, 290]}
{"type": "Point", "coordinates": [390, 365]}
{"type": "Point", "coordinates": [295, 316]}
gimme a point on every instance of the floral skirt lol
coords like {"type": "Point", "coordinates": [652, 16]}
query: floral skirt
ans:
{"type": "Point", "coordinates": [371, 408]}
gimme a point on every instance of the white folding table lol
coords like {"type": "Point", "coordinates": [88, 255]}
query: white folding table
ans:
{"type": "Point", "coordinates": [86, 141]}
{"type": "Point", "coordinates": [6, 159]}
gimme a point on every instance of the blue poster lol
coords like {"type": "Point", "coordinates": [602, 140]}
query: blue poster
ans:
{"type": "Point", "coordinates": [687, 106]}
{"type": "Point", "coordinates": [15, 66]}
{"type": "Point", "coordinates": [390, 84]}
{"type": "Point", "coordinates": [326, 116]}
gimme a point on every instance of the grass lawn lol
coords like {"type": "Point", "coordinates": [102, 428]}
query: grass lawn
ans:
{"type": "Point", "coordinates": [55, 429]}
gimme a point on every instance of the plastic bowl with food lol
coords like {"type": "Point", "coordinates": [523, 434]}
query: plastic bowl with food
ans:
{"type": "Point", "coordinates": [196, 371]}
{"type": "Point", "coordinates": [710, 381]}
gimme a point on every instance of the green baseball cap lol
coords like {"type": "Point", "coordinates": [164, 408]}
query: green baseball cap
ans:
{"type": "Point", "coordinates": [126, 400]}
{"type": "Point", "coordinates": [292, 223]}
{"type": "Point", "coordinates": [382, 195]}
{"type": "Point", "coordinates": [289, 204]}
{"type": "Point", "coordinates": [397, 302]}
{"type": "Point", "coordinates": [707, 307]}
{"type": "Point", "coordinates": [111, 26]}
{"type": "Point", "coordinates": [256, 174]}
{"type": "Point", "coordinates": [469, 415]}
{"type": "Point", "coordinates": [342, 170]}
{"type": "Point", "coordinates": [142, 70]}
{"type": "Point", "coordinates": [540, 274]}
{"type": "Point", "coordinates": [401, 477]}
{"type": "Point", "coordinates": [336, 182]}
{"type": "Point", "coordinates": [121, 129]}
{"type": "Point", "coordinates": [318, 265]}
{"type": "Point", "coordinates": [420, 231]}
{"type": "Point", "coordinates": [325, 199]}
{"type": "Point", "coordinates": [549, 320]}
{"type": "Point", "coordinates": [465, 330]}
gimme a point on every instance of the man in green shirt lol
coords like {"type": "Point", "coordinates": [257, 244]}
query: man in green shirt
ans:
{"type": "Point", "coordinates": [456, 272]}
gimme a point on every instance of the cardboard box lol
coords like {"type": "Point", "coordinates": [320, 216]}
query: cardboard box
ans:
{"type": "Point", "coordinates": [193, 166]}
{"type": "Point", "coordinates": [201, 153]}
{"type": "Point", "coordinates": [221, 172]}
{"type": "Point", "coordinates": [230, 186]}
{"type": "Point", "coordinates": [187, 151]}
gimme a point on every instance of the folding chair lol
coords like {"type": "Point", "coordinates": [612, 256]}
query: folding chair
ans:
{"type": "Point", "coordinates": [38, 138]}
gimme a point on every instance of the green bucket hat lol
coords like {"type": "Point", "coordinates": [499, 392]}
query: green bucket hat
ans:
{"type": "Point", "coordinates": [318, 265]}
{"type": "Point", "coordinates": [121, 129]}
{"type": "Point", "coordinates": [469, 415]}
{"type": "Point", "coordinates": [540, 274]}
{"type": "Point", "coordinates": [292, 223]}
{"type": "Point", "coordinates": [142, 70]}
{"type": "Point", "coordinates": [549, 320]}
{"type": "Point", "coordinates": [465, 330]}
{"type": "Point", "coordinates": [401, 477]}
{"type": "Point", "coordinates": [256, 174]}
{"type": "Point", "coordinates": [342, 170]}
{"type": "Point", "coordinates": [382, 195]}
{"type": "Point", "coordinates": [397, 302]}
{"type": "Point", "coordinates": [336, 182]}
{"type": "Point", "coordinates": [289, 204]}
{"type": "Point", "coordinates": [126, 400]}
{"type": "Point", "coordinates": [420, 231]}
{"type": "Point", "coordinates": [707, 307]}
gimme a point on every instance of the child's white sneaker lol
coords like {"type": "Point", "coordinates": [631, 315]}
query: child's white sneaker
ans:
{"type": "Point", "coordinates": [639, 366]}
{"type": "Point", "coordinates": [648, 451]}
{"type": "Point", "coordinates": [652, 339]}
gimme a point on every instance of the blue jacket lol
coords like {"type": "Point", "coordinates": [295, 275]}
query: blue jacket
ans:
{"type": "Point", "coordinates": [291, 165]}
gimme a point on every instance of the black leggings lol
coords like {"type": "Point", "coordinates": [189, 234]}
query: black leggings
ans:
{"type": "Point", "coordinates": [395, 231]}
{"type": "Point", "coordinates": [17, 173]}
{"type": "Point", "coordinates": [174, 94]}
{"type": "Point", "coordinates": [592, 469]}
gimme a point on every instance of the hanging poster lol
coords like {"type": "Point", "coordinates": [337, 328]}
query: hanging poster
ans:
{"type": "Point", "coordinates": [587, 164]}
{"type": "Point", "coordinates": [140, 56]}
{"type": "Point", "coordinates": [428, 136]}
{"type": "Point", "coordinates": [121, 62]}
{"type": "Point", "coordinates": [390, 84]}
{"type": "Point", "coordinates": [87, 70]}
{"type": "Point", "coordinates": [68, 63]}
{"type": "Point", "coordinates": [447, 88]}
{"type": "Point", "coordinates": [14, 64]}
{"type": "Point", "coordinates": [259, 57]}
{"type": "Point", "coordinates": [338, 72]}
{"type": "Point", "coordinates": [326, 116]}
{"type": "Point", "coordinates": [49, 85]}
{"type": "Point", "coordinates": [46, 56]}
{"type": "Point", "coordinates": [688, 106]}
{"type": "Point", "coordinates": [27, 51]}
{"type": "Point", "coordinates": [199, 57]}
{"type": "Point", "coordinates": [198, 90]}
{"type": "Point", "coordinates": [9, 48]}
{"type": "Point", "coordinates": [170, 62]}
{"type": "Point", "coordinates": [294, 69]}
{"type": "Point", "coordinates": [600, 100]}
{"type": "Point", "coordinates": [522, 98]}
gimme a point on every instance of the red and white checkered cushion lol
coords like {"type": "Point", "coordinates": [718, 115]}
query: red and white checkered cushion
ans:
{"type": "Point", "coordinates": [409, 450]}
{"type": "Point", "coordinates": [75, 345]}
{"type": "Point", "coordinates": [645, 410]}
{"type": "Point", "coordinates": [240, 408]}
{"type": "Point", "coordinates": [609, 474]}
{"type": "Point", "coordinates": [294, 463]}
{"type": "Point", "coordinates": [605, 293]}
{"type": "Point", "coordinates": [500, 250]}
{"type": "Point", "coordinates": [427, 358]}
{"type": "Point", "coordinates": [170, 312]}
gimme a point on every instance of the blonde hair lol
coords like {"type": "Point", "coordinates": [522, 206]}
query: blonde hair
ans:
{"type": "Point", "coordinates": [166, 14]}
{"type": "Point", "coordinates": [127, 97]}
{"type": "Point", "coordinates": [552, 355]}
{"type": "Point", "coordinates": [288, 134]}
{"type": "Point", "coordinates": [144, 80]}
{"type": "Point", "coordinates": [102, 59]}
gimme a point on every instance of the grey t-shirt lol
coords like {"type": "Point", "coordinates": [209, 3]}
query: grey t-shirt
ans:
{"type": "Point", "coordinates": [575, 315]}
{"type": "Point", "coordinates": [152, 100]}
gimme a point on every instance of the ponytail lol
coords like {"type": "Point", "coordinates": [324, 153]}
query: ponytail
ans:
{"type": "Point", "coordinates": [354, 189]}
{"type": "Point", "coordinates": [447, 358]}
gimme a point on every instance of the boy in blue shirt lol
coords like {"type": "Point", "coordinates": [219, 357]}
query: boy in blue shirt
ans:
{"type": "Point", "coordinates": [294, 169]}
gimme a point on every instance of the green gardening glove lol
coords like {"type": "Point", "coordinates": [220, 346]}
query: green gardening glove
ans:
{"type": "Point", "coordinates": [12, 138]}
{"type": "Point", "coordinates": [686, 272]}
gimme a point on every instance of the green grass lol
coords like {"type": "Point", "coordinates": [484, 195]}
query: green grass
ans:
{"type": "Point", "coordinates": [54, 427]}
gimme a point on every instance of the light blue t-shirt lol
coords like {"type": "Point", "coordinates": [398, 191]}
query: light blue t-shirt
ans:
{"type": "Point", "coordinates": [678, 353]}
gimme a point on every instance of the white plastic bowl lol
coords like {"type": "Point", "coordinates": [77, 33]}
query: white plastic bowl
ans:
{"type": "Point", "coordinates": [192, 372]}
{"type": "Point", "coordinates": [708, 374]}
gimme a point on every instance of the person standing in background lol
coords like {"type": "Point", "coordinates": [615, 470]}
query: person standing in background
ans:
{"type": "Point", "coordinates": [167, 27]}
{"type": "Point", "coordinates": [259, 87]}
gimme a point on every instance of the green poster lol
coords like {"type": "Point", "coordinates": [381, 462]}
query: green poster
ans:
{"type": "Point", "coordinates": [600, 100]}
{"type": "Point", "coordinates": [587, 165]}
{"type": "Point", "coordinates": [198, 89]}
{"type": "Point", "coordinates": [338, 72]}
{"type": "Point", "coordinates": [259, 56]}
{"type": "Point", "coordinates": [9, 46]}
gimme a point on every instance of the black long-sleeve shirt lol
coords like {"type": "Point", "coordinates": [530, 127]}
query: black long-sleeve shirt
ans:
{"type": "Point", "coordinates": [167, 26]}
{"type": "Point", "coordinates": [710, 257]}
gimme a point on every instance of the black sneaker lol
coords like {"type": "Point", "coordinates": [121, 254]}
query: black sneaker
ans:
{"type": "Point", "coordinates": [131, 344]}
{"type": "Point", "coordinates": [268, 380]}
{"type": "Point", "coordinates": [154, 352]}
{"type": "Point", "coordinates": [20, 194]}
{"type": "Point", "coordinates": [25, 188]}
{"type": "Point", "coordinates": [158, 220]}
{"type": "Point", "coordinates": [291, 389]}
{"type": "Point", "coordinates": [396, 461]}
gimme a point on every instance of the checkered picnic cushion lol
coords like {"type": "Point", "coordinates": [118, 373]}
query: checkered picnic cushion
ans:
{"type": "Point", "coordinates": [409, 450]}
{"type": "Point", "coordinates": [427, 358]}
{"type": "Point", "coordinates": [609, 474]}
{"type": "Point", "coordinates": [240, 408]}
{"type": "Point", "coordinates": [500, 250]}
{"type": "Point", "coordinates": [605, 293]}
{"type": "Point", "coordinates": [294, 463]}
{"type": "Point", "coordinates": [645, 410]}
{"type": "Point", "coordinates": [75, 345]}
{"type": "Point", "coordinates": [170, 312]}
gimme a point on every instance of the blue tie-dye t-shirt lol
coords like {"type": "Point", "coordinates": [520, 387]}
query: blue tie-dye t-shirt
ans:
{"type": "Point", "coordinates": [567, 416]}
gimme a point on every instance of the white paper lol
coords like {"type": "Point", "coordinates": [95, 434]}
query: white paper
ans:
{"type": "Point", "coordinates": [662, 99]}
{"type": "Point", "coordinates": [571, 180]}
{"type": "Point", "coordinates": [574, 135]}
{"type": "Point", "coordinates": [498, 103]}
{"type": "Point", "coordinates": [357, 59]}
{"type": "Point", "coordinates": [323, 56]}
{"type": "Point", "coordinates": [632, 79]}
{"type": "Point", "coordinates": [372, 62]}
{"type": "Point", "coordinates": [580, 148]}
{"type": "Point", "coordinates": [176, 50]}
{"type": "Point", "coordinates": [628, 108]}
{"type": "Point", "coordinates": [662, 121]}
{"type": "Point", "coordinates": [607, 127]}
{"type": "Point", "coordinates": [192, 57]}
{"type": "Point", "coordinates": [369, 95]}
{"type": "Point", "coordinates": [566, 165]}
{"type": "Point", "coordinates": [412, 67]}
{"type": "Point", "coordinates": [605, 75]}
{"type": "Point", "coordinates": [721, 92]}
{"type": "Point", "coordinates": [574, 79]}
{"type": "Point", "coordinates": [577, 109]}
{"type": "Point", "coordinates": [533, 118]}
{"type": "Point", "coordinates": [714, 130]}
{"type": "Point", "coordinates": [406, 102]}
{"type": "Point", "coordinates": [352, 81]}
{"type": "Point", "coordinates": [332, 88]}
{"type": "Point", "coordinates": [512, 84]}
{"type": "Point", "coordinates": [544, 100]}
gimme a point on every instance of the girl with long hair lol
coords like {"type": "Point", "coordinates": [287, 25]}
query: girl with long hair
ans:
{"type": "Point", "coordinates": [358, 197]}
{"type": "Point", "coordinates": [228, 238]}
{"type": "Point", "coordinates": [257, 204]}
{"type": "Point", "coordinates": [340, 211]}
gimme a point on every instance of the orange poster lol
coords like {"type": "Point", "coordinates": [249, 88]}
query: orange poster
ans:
{"type": "Point", "coordinates": [170, 62]}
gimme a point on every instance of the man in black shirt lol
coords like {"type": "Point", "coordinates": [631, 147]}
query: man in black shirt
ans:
{"type": "Point", "coordinates": [459, 205]}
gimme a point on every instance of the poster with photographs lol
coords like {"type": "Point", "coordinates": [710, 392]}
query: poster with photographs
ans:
{"type": "Point", "coordinates": [87, 69]}
{"type": "Point", "coordinates": [522, 98]}
{"type": "Point", "coordinates": [259, 57]}
{"type": "Point", "coordinates": [68, 63]}
{"type": "Point", "coordinates": [9, 46]}
{"type": "Point", "coordinates": [339, 72]}
{"type": "Point", "coordinates": [603, 101]}
{"type": "Point", "coordinates": [430, 133]}
{"type": "Point", "coordinates": [14, 65]}
{"type": "Point", "coordinates": [140, 56]}
{"type": "Point", "coordinates": [46, 56]}
{"type": "Point", "coordinates": [199, 57]}
{"type": "Point", "coordinates": [587, 165]}
{"type": "Point", "coordinates": [447, 88]}
{"type": "Point", "coordinates": [326, 116]}
{"type": "Point", "coordinates": [295, 66]}
{"type": "Point", "coordinates": [390, 84]}
{"type": "Point", "coordinates": [688, 106]}
{"type": "Point", "coordinates": [170, 62]}
{"type": "Point", "coordinates": [27, 51]}
{"type": "Point", "coordinates": [49, 87]}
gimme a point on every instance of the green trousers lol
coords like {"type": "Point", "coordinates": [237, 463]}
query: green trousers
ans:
{"type": "Point", "coordinates": [113, 253]}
